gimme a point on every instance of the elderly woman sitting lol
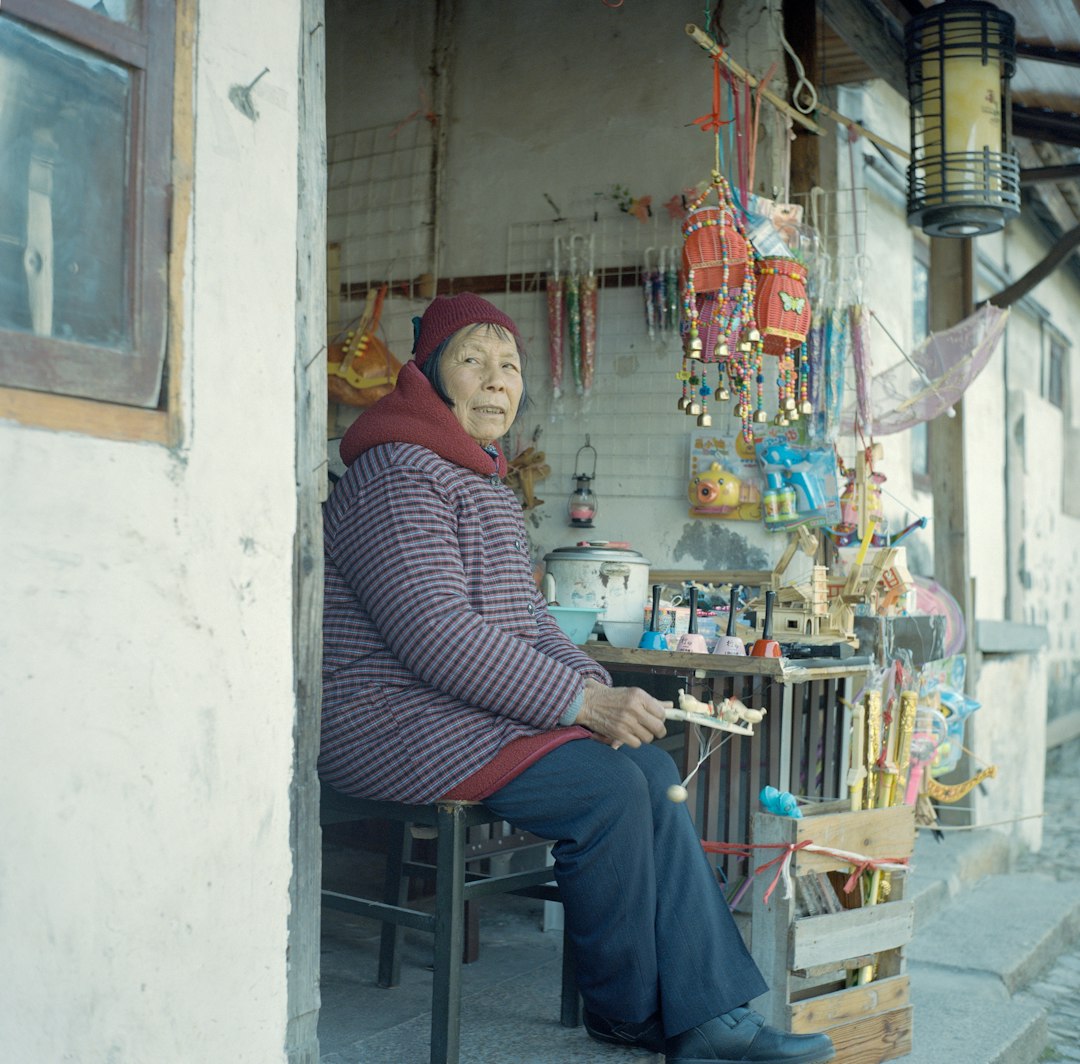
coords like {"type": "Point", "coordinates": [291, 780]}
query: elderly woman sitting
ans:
{"type": "Point", "coordinates": [474, 692]}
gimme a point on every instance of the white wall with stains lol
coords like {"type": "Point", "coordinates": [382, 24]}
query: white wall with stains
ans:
{"type": "Point", "coordinates": [147, 679]}
{"type": "Point", "coordinates": [545, 111]}
{"type": "Point", "coordinates": [549, 106]}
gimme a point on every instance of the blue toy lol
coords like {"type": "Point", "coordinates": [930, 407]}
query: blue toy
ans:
{"type": "Point", "coordinates": [780, 803]}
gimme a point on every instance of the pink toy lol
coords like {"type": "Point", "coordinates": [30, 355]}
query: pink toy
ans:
{"type": "Point", "coordinates": [692, 642]}
{"type": "Point", "coordinates": [731, 643]}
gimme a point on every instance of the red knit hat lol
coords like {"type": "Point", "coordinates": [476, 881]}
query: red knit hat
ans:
{"type": "Point", "coordinates": [446, 314]}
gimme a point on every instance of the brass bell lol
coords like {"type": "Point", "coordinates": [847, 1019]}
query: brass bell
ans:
{"type": "Point", "coordinates": [754, 336]}
{"type": "Point", "coordinates": [780, 419]}
{"type": "Point", "coordinates": [806, 408]}
{"type": "Point", "coordinates": [722, 394]}
{"type": "Point", "coordinates": [744, 347]}
{"type": "Point", "coordinates": [684, 402]}
{"type": "Point", "coordinates": [693, 347]}
{"type": "Point", "coordinates": [760, 416]}
{"type": "Point", "coordinates": [793, 415]}
{"type": "Point", "coordinates": [693, 410]}
{"type": "Point", "coordinates": [704, 420]}
{"type": "Point", "coordinates": [741, 410]}
{"type": "Point", "coordinates": [789, 403]}
{"type": "Point", "coordinates": [722, 351]}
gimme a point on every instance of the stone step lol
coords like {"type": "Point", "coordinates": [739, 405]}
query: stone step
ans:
{"type": "Point", "coordinates": [943, 868]}
{"type": "Point", "coordinates": [979, 941]}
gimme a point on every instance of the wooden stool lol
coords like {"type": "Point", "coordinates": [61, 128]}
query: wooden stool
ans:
{"type": "Point", "coordinates": [454, 886]}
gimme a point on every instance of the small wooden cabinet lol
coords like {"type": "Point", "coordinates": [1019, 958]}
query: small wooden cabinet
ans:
{"type": "Point", "coordinates": [811, 950]}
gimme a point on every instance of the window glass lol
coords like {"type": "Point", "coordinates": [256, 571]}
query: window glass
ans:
{"type": "Point", "coordinates": [920, 311]}
{"type": "Point", "coordinates": [1055, 374]}
{"type": "Point", "coordinates": [64, 199]}
{"type": "Point", "coordinates": [920, 329]}
{"type": "Point", "coordinates": [85, 174]}
{"type": "Point", "coordinates": [119, 10]}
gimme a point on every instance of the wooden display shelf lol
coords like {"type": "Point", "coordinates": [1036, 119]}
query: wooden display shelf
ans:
{"type": "Point", "coordinates": [806, 959]}
{"type": "Point", "coordinates": [782, 670]}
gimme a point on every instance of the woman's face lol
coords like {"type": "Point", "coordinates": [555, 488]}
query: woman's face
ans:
{"type": "Point", "coordinates": [481, 373]}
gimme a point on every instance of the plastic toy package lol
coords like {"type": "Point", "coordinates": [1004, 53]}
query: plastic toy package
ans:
{"type": "Point", "coordinates": [800, 485]}
{"type": "Point", "coordinates": [941, 688]}
{"type": "Point", "coordinates": [724, 477]}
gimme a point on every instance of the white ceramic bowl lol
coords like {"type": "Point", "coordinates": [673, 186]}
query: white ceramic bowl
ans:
{"type": "Point", "coordinates": [576, 621]}
{"type": "Point", "coordinates": [623, 633]}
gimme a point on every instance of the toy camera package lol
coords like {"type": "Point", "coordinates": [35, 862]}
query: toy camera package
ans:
{"type": "Point", "coordinates": [724, 478]}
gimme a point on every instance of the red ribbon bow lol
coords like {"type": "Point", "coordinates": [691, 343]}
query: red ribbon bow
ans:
{"type": "Point", "coordinates": [712, 122]}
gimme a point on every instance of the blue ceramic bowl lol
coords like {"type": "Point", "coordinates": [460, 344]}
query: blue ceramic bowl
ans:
{"type": "Point", "coordinates": [576, 621]}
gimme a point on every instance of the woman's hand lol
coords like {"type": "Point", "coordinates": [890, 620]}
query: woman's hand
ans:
{"type": "Point", "coordinates": [622, 714]}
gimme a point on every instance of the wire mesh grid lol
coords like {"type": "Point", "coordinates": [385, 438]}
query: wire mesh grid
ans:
{"type": "Point", "coordinates": [632, 368]}
{"type": "Point", "coordinates": [379, 210]}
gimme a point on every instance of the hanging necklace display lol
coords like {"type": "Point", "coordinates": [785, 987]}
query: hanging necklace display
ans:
{"type": "Point", "coordinates": [573, 317]}
{"type": "Point", "coordinates": [556, 323]}
{"type": "Point", "coordinates": [660, 292]}
{"type": "Point", "coordinates": [589, 293]}
{"type": "Point", "coordinates": [650, 279]}
{"type": "Point", "coordinates": [671, 287]}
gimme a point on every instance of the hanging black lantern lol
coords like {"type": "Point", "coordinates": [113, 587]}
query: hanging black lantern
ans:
{"type": "Point", "coordinates": [582, 506]}
{"type": "Point", "coordinates": [963, 178]}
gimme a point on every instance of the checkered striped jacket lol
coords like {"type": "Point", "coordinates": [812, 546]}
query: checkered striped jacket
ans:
{"type": "Point", "coordinates": [438, 649]}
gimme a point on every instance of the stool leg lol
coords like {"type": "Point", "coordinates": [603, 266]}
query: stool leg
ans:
{"type": "Point", "coordinates": [570, 1009]}
{"type": "Point", "coordinates": [449, 936]}
{"type": "Point", "coordinates": [395, 892]}
{"type": "Point", "coordinates": [471, 950]}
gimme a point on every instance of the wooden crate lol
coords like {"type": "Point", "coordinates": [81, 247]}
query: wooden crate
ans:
{"type": "Point", "coordinates": [806, 958]}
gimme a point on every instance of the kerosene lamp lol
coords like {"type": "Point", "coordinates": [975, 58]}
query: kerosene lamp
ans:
{"type": "Point", "coordinates": [582, 505]}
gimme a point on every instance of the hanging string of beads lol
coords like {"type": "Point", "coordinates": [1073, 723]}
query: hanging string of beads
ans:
{"type": "Point", "coordinates": [718, 290]}
{"type": "Point", "coordinates": [737, 305]}
{"type": "Point", "coordinates": [782, 311]}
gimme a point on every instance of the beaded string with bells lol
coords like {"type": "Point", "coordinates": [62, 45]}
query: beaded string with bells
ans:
{"type": "Point", "coordinates": [787, 340]}
{"type": "Point", "coordinates": [727, 312]}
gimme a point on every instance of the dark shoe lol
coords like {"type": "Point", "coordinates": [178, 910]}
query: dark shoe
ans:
{"type": "Point", "coordinates": [645, 1035]}
{"type": "Point", "coordinates": [741, 1037]}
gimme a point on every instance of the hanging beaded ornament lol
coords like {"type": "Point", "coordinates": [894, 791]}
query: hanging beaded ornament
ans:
{"type": "Point", "coordinates": [782, 312]}
{"type": "Point", "coordinates": [718, 288]}
{"type": "Point", "coordinates": [782, 308]}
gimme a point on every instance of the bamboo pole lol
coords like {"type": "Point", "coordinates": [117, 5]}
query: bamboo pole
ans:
{"type": "Point", "coordinates": [709, 45]}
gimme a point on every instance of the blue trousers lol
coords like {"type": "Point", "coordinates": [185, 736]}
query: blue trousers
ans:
{"type": "Point", "coordinates": [651, 930]}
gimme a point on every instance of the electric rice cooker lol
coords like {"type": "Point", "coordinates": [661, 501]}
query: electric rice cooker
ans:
{"type": "Point", "coordinates": [614, 579]}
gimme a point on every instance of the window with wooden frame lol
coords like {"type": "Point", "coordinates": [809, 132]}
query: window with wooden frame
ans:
{"type": "Point", "coordinates": [1052, 377]}
{"type": "Point", "coordinates": [86, 115]}
{"type": "Point", "coordinates": [920, 329]}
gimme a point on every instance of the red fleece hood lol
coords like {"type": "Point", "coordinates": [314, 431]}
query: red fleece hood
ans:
{"type": "Point", "coordinates": [414, 413]}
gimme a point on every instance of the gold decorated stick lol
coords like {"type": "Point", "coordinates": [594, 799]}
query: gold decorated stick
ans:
{"type": "Point", "coordinates": [873, 744]}
{"type": "Point", "coordinates": [894, 777]}
{"type": "Point", "coordinates": [909, 707]}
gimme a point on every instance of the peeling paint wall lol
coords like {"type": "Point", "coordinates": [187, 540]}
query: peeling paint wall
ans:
{"type": "Point", "coordinates": [554, 107]}
{"type": "Point", "coordinates": [549, 111]}
{"type": "Point", "coordinates": [147, 685]}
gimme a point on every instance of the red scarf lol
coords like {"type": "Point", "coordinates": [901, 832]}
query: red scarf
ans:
{"type": "Point", "coordinates": [414, 413]}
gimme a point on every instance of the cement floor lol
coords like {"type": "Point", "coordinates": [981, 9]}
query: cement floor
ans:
{"type": "Point", "coordinates": [510, 998]}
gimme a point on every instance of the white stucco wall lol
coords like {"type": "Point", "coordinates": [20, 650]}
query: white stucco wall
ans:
{"type": "Point", "coordinates": [1009, 730]}
{"type": "Point", "coordinates": [147, 680]}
